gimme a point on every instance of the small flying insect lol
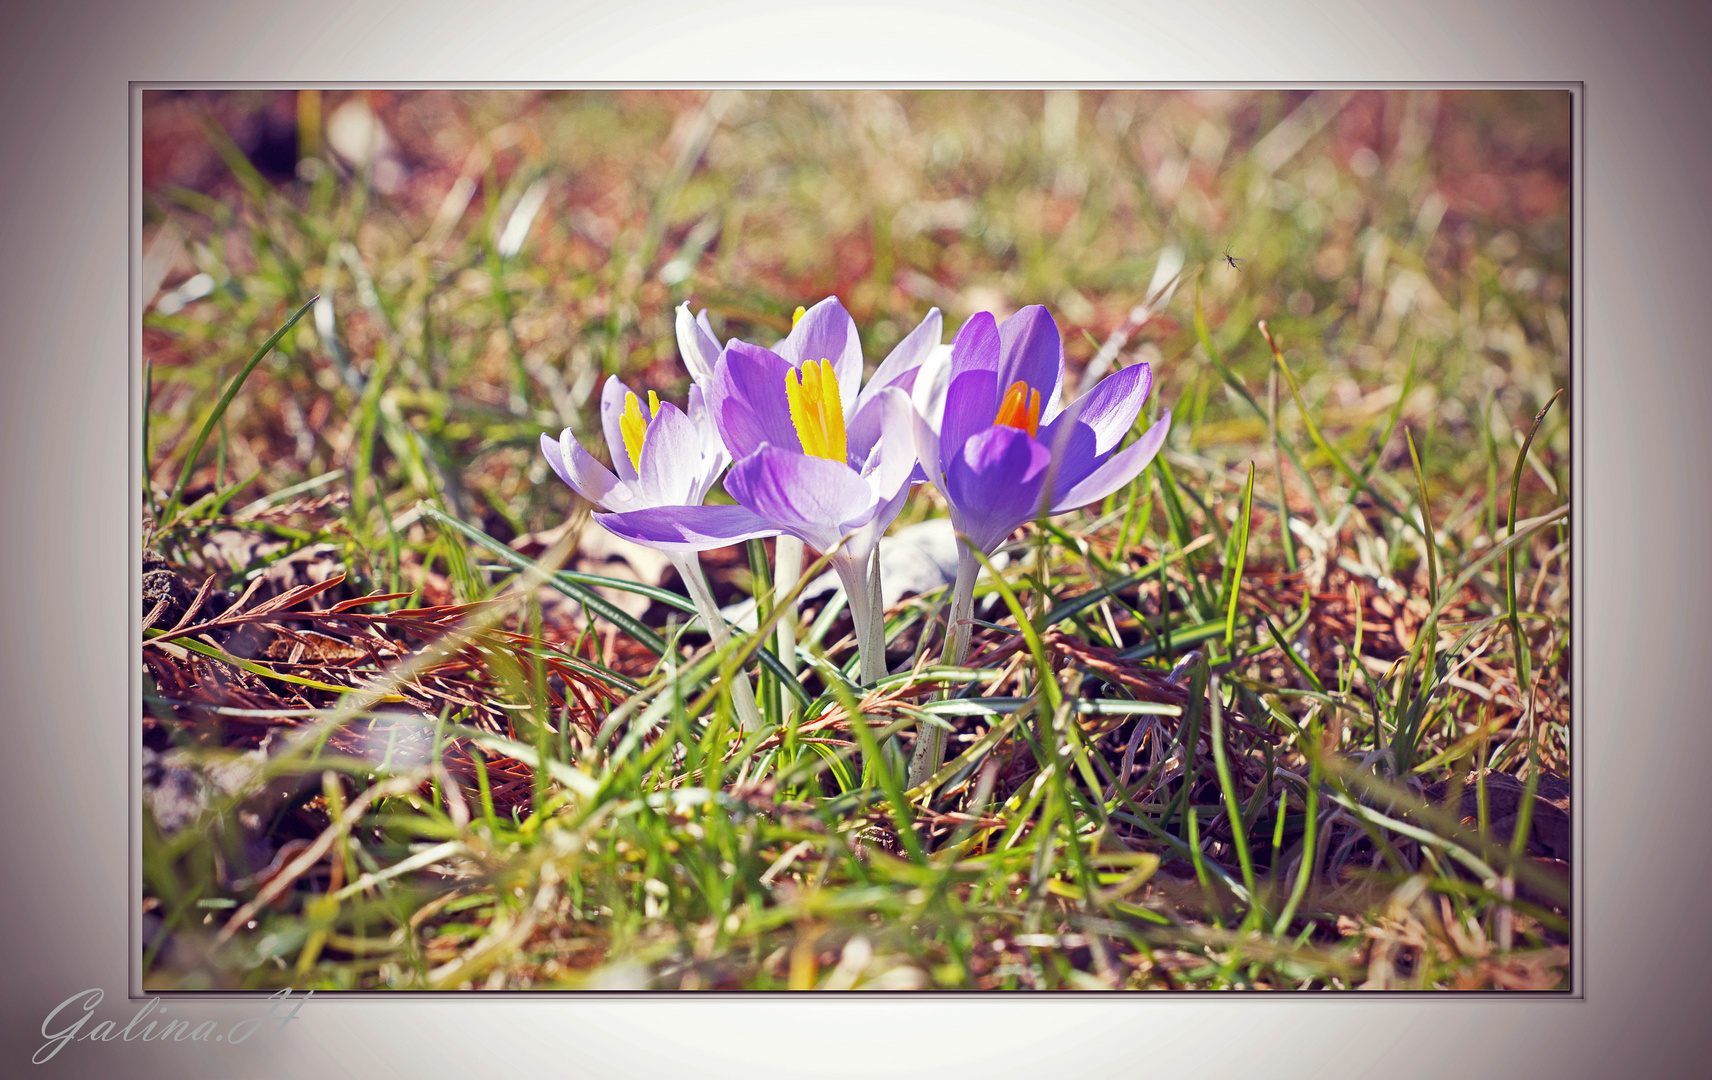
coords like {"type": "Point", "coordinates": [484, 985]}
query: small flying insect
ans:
{"type": "Point", "coordinates": [1235, 263]}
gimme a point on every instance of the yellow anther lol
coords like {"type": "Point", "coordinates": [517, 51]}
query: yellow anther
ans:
{"type": "Point", "coordinates": [796, 316]}
{"type": "Point", "coordinates": [634, 426]}
{"type": "Point", "coordinates": [1020, 409]}
{"type": "Point", "coordinates": [816, 410]}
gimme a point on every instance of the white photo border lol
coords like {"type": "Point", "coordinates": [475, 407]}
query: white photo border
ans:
{"type": "Point", "coordinates": [1644, 249]}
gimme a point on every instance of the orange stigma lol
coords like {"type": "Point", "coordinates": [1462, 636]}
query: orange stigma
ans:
{"type": "Point", "coordinates": [1020, 409]}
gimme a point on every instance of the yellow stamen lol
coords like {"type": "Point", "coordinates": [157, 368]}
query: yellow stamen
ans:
{"type": "Point", "coordinates": [634, 426]}
{"type": "Point", "coordinates": [816, 410]}
{"type": "Point", "coordinates": [796, 316]}
{"type": "Point", "coordinates": [1020, 409]}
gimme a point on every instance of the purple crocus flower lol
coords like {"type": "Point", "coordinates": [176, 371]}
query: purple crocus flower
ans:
{"type": "Point", "coordinates": [666, 461]}
{"type": "Point", "coordinates": [1002, 450]}
{"type": "Point", "coordinates": [820, 456]}
{"type": "Point", "coordinates": [700, 350]}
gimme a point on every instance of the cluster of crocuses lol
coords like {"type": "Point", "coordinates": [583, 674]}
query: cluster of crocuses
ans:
{"type": "Point", "coordinates": [816, 454]}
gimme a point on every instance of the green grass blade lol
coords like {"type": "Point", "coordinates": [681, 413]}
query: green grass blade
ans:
{"type": "Point", "coordinates": [232, 388]}
{"type": "Point", "coordinates": [585, 596]}
{"type": "Point", "coordinates": [1284, 538]}
{"type": "Point", "coordinates": [1241, 558]}
{"type": "Point", "coordinates": [1523, 657]}
{"type": "Point", "coordinates": [1227, 785]}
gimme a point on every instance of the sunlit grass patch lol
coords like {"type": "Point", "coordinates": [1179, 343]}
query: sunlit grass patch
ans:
{"type": "Point", "coordinates": [1289, 710]}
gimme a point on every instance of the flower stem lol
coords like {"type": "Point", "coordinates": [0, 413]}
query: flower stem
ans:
{"type": "Point", "coordinates": [876, 620]}
{"type": "Point", "coordinates": [695, 581]}
{"type": "Point", "coordinates": [930, 743]}
{"type": "Point", "coordinates": [787, 571]}
{"type": "Point", "coordinates": [869, 624]}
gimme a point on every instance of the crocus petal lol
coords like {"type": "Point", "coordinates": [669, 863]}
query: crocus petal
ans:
{"type": "Point", "coordinates": [892, 460]}
{"type": "Point", "coordinates": [996, 481]}
{"type": "Point", "coordinates": [1117, 470]}
{"type": "Point", "coordinates": [932, 379]}
{"type": "Point", "coordinates": [1074, 455]}
{"type": "Point", "coordinates": [888, 512]}
{"type": "Point", "coordinates": [976, 346]}
{"type": "Point", "coordinates": [612, 396]}
{"type": "Point", "coordinates": [687, 528]}
{"type": "Point", "coordinates": [714, 458]}
{"type": "Point", "coordinates": [696, 408]}
{"type": "Point", "coordinates": [671, 458]}
{"type": "Point", "coordinates": [825, 332]}
{"type": "Point", "coordinates": [971, 402]}
{"type": "Point", "coordinates": [901, 366]}
{"type": "Point", "coordinates": [1108, 410]}
{"type": "Point", "coordinates": [817, 500]}
{"type": "Point", "coordinates": [556, 459]}
{"type": "Point", "coordinates": [747, 399]}
{"type": "Point", "coordinates": [586, 476]}
{"type": "Point", "coordinates": [1030, 351]}
{"type": "Point", "coordinates": [1088, 431]}
{"type": "Point", "coordinates": [927, 450]}
{"type": "Point", "coordinates": [697, 345]}
{"type": "Point", "coordinates": [862, 431]}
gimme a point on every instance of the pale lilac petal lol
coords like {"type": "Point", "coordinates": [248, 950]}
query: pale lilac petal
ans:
{"type": "Point", "coordinates": [747, 399]}
{"type": "Point", "coordinates": [901, 366]}
{"type": "Point", "coordinates": [696, 344]}
{"type": "Point", "coordinates": [671, 458]}
{"type": "Point", "coordinates": [996, 481]}
{"type": "Point", "coordinates": [1030, 351]}
{"type": "Point", "coordinates": [1117, 470]}
{"type": "Point", "coordinates": [927, 451]}
{"type": "Point", "coordinates": [888, 511]}
{"type": "Point", "coordinates": [817, 500]}
{"type": "Point", "coordinates": [932, 379]}
{"type": "Point", "coordinates": [863, 431]}
{"type": "Point", "coordinates": [874, 419]}
{"type": "Point", "coordinates": [611, 410]}
{"type": "Point", "coordinates": [556, 459]}
{"type": "Point", "coordinates": [881, 441]}
{"type": "Point", "coordinates": [696, 407]}
{"type": "Point", "coordinates": [826, 332]}
{"type": "Point", "coordinates": [1108, 410]}
{"type": "Point", "coordinates": [687, 528]}
{"type": "Point", "coordinates": [714, 457]}
{"type": "Point", "coordinates": [896, 456]}
{"type": "Point", "coordinates": [586, 476]}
